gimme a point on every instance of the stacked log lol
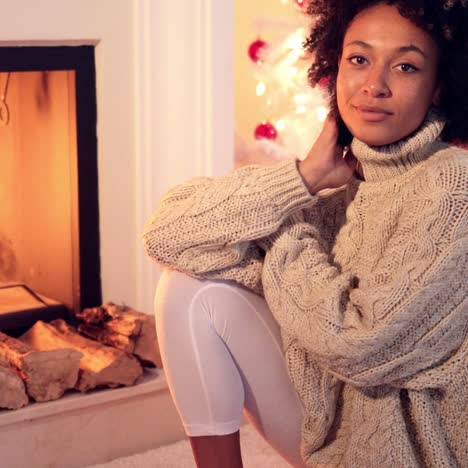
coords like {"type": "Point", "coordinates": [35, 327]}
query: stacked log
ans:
{"type": "Point", "coordinates": [100, 365]}
{"type": "Point", "coordinates": [12, 390]}
{"type": "Point", "coordinates": [124, 328]}
{"type": "Point", "coordinates": [107, 349]}
{"type": "Point", "coordinates": [46, 374]}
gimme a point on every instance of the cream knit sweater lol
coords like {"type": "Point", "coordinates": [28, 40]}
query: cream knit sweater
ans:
{"type": "Point", "coordinates": [368, 283]}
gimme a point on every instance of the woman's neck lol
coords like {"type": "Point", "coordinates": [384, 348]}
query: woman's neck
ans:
{"type": "Point", "coordinates": [379, 163]}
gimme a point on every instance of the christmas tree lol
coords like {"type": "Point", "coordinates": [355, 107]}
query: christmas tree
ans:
{"type": "Point", "coordinates": [294, 112]}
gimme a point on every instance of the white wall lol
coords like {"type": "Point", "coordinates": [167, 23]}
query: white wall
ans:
{"type": "Point", "coordinates": [185, 98]}
{"type": "Point", "coordinates": [165, 111]}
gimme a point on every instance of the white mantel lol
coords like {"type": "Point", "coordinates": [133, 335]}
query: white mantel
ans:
{"type": "Point", "coordinates": [165, 108]}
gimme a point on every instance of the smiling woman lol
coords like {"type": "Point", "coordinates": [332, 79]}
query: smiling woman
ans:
{"type": "Point", "coordinates": [429, 33]}
{"type": "Point", "coordinates": [387, 76]}
{"type": "Point", "coordinates": [360, 280]}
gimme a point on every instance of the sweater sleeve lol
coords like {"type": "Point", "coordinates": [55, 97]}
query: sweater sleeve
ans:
{"type": "Point", "coordinates": [206, 227]}
{"type": "Point", "coordinates": [390, 328]}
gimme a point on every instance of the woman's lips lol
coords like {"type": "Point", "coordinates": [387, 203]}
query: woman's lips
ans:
{"type": "Point", "coordinates": [371, 114]}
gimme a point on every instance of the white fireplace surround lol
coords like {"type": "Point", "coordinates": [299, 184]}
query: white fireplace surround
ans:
{"type": "Point", "coordinates": [165, 108]}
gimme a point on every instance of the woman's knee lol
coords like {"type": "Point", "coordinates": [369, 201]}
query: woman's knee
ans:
{"type": "Point", "coordinates": [186, 305]}
{"type": "Point", "coordinates": [174, 292]}
{"type": "Point", "coordinates": [177, 293]}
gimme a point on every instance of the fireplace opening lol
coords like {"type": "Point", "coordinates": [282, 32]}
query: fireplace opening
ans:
{"type": "Point", "coordinates": [49, 216]}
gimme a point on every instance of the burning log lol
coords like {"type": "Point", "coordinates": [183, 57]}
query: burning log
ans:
{"type": "Point", "coordinates": [100, 365]}
{"type": "Point", "coordinates": [46, 374]}
{"type": "Point", "coordinates": [124, 328]}
{"type": "Point", "coordinates": [12, 391]}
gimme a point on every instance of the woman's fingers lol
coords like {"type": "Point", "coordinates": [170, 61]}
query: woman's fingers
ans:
{"type": "Point", "coordinates": [351, 160]}
{"type": "Point", "coordinates": [330, 130]}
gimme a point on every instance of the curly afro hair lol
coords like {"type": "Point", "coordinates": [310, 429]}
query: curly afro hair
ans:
{"type": "Point", "coordinates": [445, 20]}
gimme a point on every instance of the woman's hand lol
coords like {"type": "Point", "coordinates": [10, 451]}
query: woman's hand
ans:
{"type": "Point", "coordinates": [325, 167]}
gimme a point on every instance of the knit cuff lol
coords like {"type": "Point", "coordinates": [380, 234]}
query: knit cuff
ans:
{"type": "Point", "coordinates": [285, 188]}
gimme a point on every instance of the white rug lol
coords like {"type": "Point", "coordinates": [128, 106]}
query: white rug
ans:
{"type": "Point", "coordinates": [256, 453]}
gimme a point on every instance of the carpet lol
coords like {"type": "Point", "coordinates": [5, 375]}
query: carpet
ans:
{"type": "Point", "coordinates": [256, 453]}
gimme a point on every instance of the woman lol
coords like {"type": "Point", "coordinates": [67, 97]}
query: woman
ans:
{"type": "Point", "coordinates": [361, 260]}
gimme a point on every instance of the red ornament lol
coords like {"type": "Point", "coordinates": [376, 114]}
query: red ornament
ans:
{"type": "Point", "coordinates": [302, 4]}
{"type": "Point", "coordinates": [323, 82]}
{"type": "Point", "coordinates": [256, 50]}
{"type": "Point", "coordinates": [266, 130]}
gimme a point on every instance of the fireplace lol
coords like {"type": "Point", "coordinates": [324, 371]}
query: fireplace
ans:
{"type": "Point", "coordinates": [49, 215]}
{"type": "Point", "coordinates": [155, 129]}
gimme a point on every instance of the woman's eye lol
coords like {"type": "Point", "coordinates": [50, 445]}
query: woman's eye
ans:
{"type": "Point", "coordinates": [407, 67]}
{"type": "Point", "coordinates": [404, 67]}
{"type": "Point", "coordinates": [357, 60]}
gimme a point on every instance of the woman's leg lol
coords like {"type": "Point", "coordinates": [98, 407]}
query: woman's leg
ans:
{"type": "Point", "coordinates": [221, 352]}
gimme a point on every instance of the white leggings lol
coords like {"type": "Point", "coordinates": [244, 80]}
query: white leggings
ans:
{"type": "Point", "coordinates": [221, 352]}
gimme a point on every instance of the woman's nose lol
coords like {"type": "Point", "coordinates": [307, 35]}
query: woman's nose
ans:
{"type": "Point", "coordinates": [376, 84]}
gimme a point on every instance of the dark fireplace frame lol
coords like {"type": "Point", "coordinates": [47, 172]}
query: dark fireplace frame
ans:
{"type": "Point", "coordinates": [80, 59]}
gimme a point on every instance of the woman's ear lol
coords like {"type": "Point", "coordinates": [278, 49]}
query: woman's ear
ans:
{"type": "Point", "coordinates": [436, 96]}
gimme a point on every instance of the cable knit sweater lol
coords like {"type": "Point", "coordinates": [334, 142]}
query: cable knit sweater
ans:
{"type": "Point", "coordinates": [367, 282]}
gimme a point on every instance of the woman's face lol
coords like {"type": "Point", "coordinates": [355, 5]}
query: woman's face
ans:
{"type": "Point", "coordinates": [387, 76]}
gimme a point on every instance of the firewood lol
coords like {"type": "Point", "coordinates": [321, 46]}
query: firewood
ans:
{"type": "Point", "coordinates": [124, 328]}
{"type": "Point", "coordinates": [12, 391]}
{"type": "Point", "coordinates": [100, 365]}
{"type": "Point", "coordinates": [107, 337]}
{"type": "Point", "coordinates": [46, 374]}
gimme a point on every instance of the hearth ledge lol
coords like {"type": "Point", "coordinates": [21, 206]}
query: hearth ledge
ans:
{"type": "Point", "coordinates": [154, 380]}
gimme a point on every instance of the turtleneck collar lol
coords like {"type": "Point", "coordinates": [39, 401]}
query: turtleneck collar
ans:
{"type": "Point", "coordinates": [380, 163]}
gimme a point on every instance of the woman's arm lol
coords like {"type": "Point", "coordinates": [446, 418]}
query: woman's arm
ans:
{"type": "Point", "coordinates": [374, 333]}
{"type": "Point", "coordinates": [206, 226]}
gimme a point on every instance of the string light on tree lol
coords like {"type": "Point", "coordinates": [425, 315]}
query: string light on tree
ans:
{"type": "Point", "coordinates": [301, 4]}
{"type": "Point", "coordinates": [280, 125]}
{"type": "Point", "coordinates": [260, 89]}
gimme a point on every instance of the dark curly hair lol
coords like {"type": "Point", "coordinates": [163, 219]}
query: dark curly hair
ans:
{"type": "Point", "coordinates": [445, 20]}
